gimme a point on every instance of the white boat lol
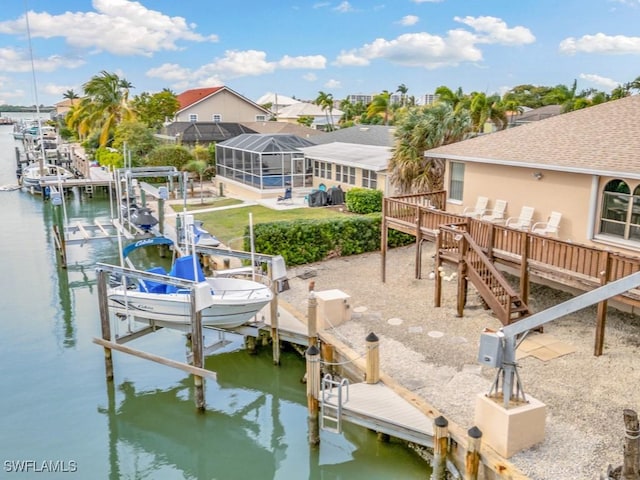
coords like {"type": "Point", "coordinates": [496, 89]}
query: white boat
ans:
{"type": "Point", "coordinates": [232, 301]}
{"type": "Point", "coordinates": [32, 175]}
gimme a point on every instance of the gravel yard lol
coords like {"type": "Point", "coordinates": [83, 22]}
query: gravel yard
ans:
{"type": "Point", "coordinates": [433, 353]}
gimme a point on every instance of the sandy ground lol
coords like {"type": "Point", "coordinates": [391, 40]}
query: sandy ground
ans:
{"type": "Point", "coordinates": [433, 353]}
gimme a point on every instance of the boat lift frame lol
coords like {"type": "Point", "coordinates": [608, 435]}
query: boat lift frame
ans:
{"type": "Point", "coordinates": [498, 349]}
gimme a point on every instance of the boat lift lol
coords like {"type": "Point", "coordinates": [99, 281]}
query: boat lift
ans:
{"type": "Point", "coordinates": [498, 349]}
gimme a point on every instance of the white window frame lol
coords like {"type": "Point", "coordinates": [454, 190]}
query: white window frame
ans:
{"type": "Point", "coordinates": [193, 117]}
{"type": "Point", "coordinates": [456, 181]}
{"type": "Point", "coordinates": [216, 117]}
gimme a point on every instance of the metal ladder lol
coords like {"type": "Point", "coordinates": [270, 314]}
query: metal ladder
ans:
{"type": "Point", "coordinates": [337, 393]}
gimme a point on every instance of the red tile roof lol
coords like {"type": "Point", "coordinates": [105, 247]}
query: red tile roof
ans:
{"type": "Point", "coordinates": [189, 97]}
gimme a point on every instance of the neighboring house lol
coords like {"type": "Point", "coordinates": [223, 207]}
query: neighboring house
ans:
{"type": "Point", "coordinates": [322, 120]}
{"type": "Point", "coordinates": [380, 135]}
{"type": "Point", "coordinates": [349, 165]}
{"type": "Point", "coordinates": [277, 102]}
{"type": "Point", "coordinates": [584, 164]}
{"type": "Point", "coordinates": [204, 133]}
{"type": "Point", "coordinates": [534, 115]}
{"type": "Point", "coordinates": [64, 106]}
{"type": "Point", "coordinates": [288, 128]}
{"type": "Point", "coordinates": [255, 164]}
{"type": "Point", "coordinates": [218, 104]}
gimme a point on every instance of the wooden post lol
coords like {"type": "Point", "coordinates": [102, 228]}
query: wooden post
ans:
{"type": "Point", "coordinates": [313, 393]}
{"type": "Point", "coordinates": [440, 448]}
{"type": "Point", "coordinates": [161, 215]}
{"type": "Point", "coordinates": [384, 240]}
{"type": "Point", "coordinates": [472, 458]}
{"type": "Point", "coordinates": [462, 277]}
{"type": "Point", "coordinates": [327, 354]}
{"type": "Point", "coordinates": [372, 374]}
{"type": "Point", "coordinates": [105, 324]}
{"type": "Point", "coordinates": [631, 465]}
{"type": "Point", "coordinates": [273, 315]}
{"type": "Point", "coordinates": [418, 259]}
{"type": "Point", "coordinates": [437, 291]}
{"type": "Point", "coordinates": [524, 267]}
{"type": "Point", "coordinates": [197, 350]}
{"type": "Point", "coordinates": [604, 270]}
{"type": "Point", "coordinates": [312, 319]}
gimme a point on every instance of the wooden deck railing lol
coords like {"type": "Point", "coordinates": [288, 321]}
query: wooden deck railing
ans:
{"type": "Point", "coordinates": [568, 263]}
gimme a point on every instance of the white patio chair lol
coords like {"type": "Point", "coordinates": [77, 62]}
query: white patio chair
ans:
{"type": "Point", "coordinates": [478, 210]}
{"type": "Point", "coordinates": [522, 221]}
{"type": "Point", "coordinates": [550, 227]}
{"type": "Point", "coordinates": [497, 213]}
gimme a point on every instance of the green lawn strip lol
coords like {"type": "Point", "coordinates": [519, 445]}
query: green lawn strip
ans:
{"type": "Point", "coordinates": [229, 225]}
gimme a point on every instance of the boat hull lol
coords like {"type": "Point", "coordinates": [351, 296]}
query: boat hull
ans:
{"type": "Point", "coordinates": [235, 302]}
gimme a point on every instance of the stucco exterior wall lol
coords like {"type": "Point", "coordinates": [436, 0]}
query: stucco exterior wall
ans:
{"type": "Point", "coordinates": [567, 193]}
{"type": "Point", "coordinates": [232, 108]}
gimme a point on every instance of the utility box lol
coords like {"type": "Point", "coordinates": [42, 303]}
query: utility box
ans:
{"type": "Point", "coordinates": [490, 352]}
{"type": "Point", "coordinates": [334, 307]}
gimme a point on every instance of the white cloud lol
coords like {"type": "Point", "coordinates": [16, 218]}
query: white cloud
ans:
{"type": "Point", "coordinates": [312, 61]}
{"type": "Point", "coordinates": [310, 77]}
{"type": "Point", "coordinates": [495, 30]}
{"type": "Point", "coordinates": [601, 43]}
{"type": "Point", "coordinates": [344, 7]}
{"type": "Point", "coordinates": [58, 90]}
{"type": "Point", "coordinates": [417, 49]}
{"type": "Point", "coordinates": [333, 84]}
{"type": "Point", "coordinates": [12, 60]}
{"type": "Point", "coordinates": [121, 27]}
{"type": "Point", "coordinates": [603, 82]}
{"type": "Point", "coordinates": [321, 4]}
{"type": "Point", "coordinates": [233, 64]}
{"type": "Point", "coordinates": [409, 20]}
{"type": "Point", "coordinates": [351, 58]}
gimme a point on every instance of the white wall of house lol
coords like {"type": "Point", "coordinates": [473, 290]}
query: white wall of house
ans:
{"type": "Point", "coordinates": [227, 106]}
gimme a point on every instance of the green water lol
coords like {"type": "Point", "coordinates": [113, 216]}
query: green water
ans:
{"type": "Point", "coordinates": [59, 413]}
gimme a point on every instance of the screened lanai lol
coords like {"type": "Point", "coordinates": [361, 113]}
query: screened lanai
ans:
{"type": "Point", "coordinates": [265, 161]}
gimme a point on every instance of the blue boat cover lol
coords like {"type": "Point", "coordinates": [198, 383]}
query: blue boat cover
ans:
{"type": "Point", "coordinates": [154, 287]}
{"type": "Point", "coordinates": [183, 268]}
{"type": "Point", "coordinates": [145, 243]}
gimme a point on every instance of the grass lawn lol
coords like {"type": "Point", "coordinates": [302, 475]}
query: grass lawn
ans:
{"type": "Point", "coordinates": [229, 225]}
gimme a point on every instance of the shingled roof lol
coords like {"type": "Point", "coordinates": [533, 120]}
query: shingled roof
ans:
{"type": "Point", "coordinates": [599, 140]}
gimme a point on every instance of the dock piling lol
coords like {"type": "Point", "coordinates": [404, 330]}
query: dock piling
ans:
{"type": "Point", "coordinates": [105, 325]}
{"type": "Point", "coordinates": [440, 448]}
{"type": "Point", "coordinates": [472, 457]}
{"type": "Point", "coordinates": [313, 393]}
{"type": "Point", "coordinates": [372, 374]}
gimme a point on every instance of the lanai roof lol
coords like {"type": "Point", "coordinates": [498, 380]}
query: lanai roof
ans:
{"type": "Point", "coordinates": [254, 142]}
{"type": "Point", "coordinates": [370, 157]}
{"type": "Point", "coordinates": [599, 140]}
{"type": "Point", "coordinates": [380, 135]}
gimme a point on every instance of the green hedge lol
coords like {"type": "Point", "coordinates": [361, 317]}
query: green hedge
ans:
{"type": "Point", "coordinates": [363, 200]}
{"type": "Point", "coordinates": [307, 241]}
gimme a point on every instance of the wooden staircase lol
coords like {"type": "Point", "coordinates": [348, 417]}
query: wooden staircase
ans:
{"type": "Point", "coordinates": [494, 289]}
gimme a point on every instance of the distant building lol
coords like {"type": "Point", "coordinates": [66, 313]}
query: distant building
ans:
{"type": "Point", "coordinates": [427, 99]}
{"type": "Point", "coordinates": [218, 104]}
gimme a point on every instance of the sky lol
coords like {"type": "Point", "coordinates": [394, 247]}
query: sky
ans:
{"type": "Point", "coordinates": [299, 48]}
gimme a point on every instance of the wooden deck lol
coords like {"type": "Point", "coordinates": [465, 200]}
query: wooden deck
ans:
{"type": "Point", "coordinates": [377, 407]}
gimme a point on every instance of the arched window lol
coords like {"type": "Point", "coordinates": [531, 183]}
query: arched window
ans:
{"type": "Point", "coordinates": [620, 213]}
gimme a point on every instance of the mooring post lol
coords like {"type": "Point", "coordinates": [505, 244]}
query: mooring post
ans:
{"type": "Point", "coordinates": [105, 325]}
{"type": "Point", "coordinates": [312, 319]}
{"type": "Point", "coordinates": [440, 448]}
{"type": "Point", "coordinates": [631, 465]}
{"type": "Point", "coordinates": [472, 458]}
{"type": "Point", "coordinates": [313, 393]}
{"type": "Point", "coordinates": [197, 350]}
{"type": "Point", "coordinates": [372, 374]}
{"type": "Point", "coordinates": [273, 312]}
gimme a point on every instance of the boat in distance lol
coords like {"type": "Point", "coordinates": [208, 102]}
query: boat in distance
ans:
{"type": "Point", "coordinates": [230, 301]}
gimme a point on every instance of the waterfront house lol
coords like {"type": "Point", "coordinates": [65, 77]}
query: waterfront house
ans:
{"type": "Point", "coordinates": [218, 104]}
{"type": "Point", "coordinates": [583, 164]}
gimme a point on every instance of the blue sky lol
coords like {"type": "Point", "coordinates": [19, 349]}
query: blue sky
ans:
{"type": "Point", "coordinates": [298, 48]}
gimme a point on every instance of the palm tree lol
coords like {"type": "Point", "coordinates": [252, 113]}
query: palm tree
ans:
{"type": "Point", "coordinates": [104, 107]}
{"type": "Point", "coordinates": [200, 167]}
{"type": "Point", "coordinates": [325, 102]}
{"type": "Point", "coordinates": [402, 89]}
{"type": "Point", "coordinates": [483, 109]}
{"type": "Point", "coordinates": [418, 130]}
{"type": "Point", "coordinates": [380, 105]}
{"type": "Point", "coordinates": [456, 99]}
{"type": "Point", "coordinates": [71, 95]}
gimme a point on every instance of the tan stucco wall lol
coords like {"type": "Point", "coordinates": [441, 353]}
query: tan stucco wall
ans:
{"type": "Point", "coordinates": [569, 194]}
{"type": "Point", "coordinates": [232, 108]}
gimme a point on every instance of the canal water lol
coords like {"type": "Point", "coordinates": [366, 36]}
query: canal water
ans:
{"type": "Point", "coordinates": [61, 418]}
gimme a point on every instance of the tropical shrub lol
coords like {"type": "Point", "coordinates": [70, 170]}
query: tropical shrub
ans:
{"type": "Point", "coordinates": [364, 200]}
